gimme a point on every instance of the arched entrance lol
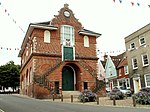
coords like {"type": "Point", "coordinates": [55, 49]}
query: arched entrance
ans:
{"type": "Point", "coordinates": [68, 78]}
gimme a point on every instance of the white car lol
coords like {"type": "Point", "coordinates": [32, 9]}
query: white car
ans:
{"type": "Point", "coordinates": [126, 92]}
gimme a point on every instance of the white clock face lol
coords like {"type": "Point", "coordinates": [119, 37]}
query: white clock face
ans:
{"type": "Point", "coordinates": [67, 14]}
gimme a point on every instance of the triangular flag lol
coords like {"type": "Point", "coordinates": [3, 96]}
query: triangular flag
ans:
{"type": "Point", "coordinates": [120, 1]}
{"type": "Point", "coordinates": [132, 3]}
{"type": "Point", "coordinates": [138, 4]}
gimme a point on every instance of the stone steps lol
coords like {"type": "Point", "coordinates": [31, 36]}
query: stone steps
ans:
{"type": "Point", "coordinates": [67, 94]}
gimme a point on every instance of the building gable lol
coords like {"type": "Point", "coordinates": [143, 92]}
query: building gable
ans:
{"type": "Point", "coordinates": [63, 19]}
{"type": "Point", "coordinates": [110, 69]}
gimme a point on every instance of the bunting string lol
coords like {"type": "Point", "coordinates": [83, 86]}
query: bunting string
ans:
{"type": "Point", "coordinates": [9, 15]}
{"type": "Point", "coordinates": [132, 3]}
{"type": "Point", "coordinates": [6, 48]}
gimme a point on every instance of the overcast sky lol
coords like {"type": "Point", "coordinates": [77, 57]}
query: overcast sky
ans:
{"type": "Point", "coordinates": [114, 20]}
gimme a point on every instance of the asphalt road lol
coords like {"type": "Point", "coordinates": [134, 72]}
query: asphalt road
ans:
{"type": "Point", "coordinates": [13, 103]}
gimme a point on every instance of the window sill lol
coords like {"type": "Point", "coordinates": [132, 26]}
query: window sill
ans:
{"type": "Point", "coordinates": [135, 68]}
{"type": "Point", "coordinates": [145, 65]}
{"type": "Point", "coordinates": [143, 45]}
{"type": "Point", "coordinates": [132, 49]}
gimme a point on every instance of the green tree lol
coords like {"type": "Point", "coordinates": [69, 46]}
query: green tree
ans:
{"type": "Point", "coordinates": [9, 75]}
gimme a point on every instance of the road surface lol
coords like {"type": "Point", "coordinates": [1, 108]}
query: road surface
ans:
{"type": "Point", "coordinates": [15, 103]}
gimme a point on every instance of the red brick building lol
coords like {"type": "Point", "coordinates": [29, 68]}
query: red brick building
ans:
{"type": "Point", "coordinates": [123, 73]}
{"type": "Point", "coordinates": [58, 55]}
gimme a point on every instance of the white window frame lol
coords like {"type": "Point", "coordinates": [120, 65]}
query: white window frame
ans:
{"type": "Point", "coordinates": [143, 60]}
{"type": "Point", "coordinates": [120, 72]}
{"type": "Point", "coordinates": [126, 69]}
{"type": "Point", "coordinates": [65, 41]}
{"type": "Point", "coordinates": [127, 81]}
{"type": "Point", "coordinates": [145, 76]}
{"type": "Point", "coordinates": [47, 36]}
{"type": "Point", "coordinates": [140, 40]}
{"type": "Point", "coordinates": [133, 64]}
{"type": "Point", "coordinates": [86, 41]}
{"type": "Point", "coordinates": [132, 46]}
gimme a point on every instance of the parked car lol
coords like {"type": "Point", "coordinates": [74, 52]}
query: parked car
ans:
{"type": "Point", "coordinates": [126, 92]}
{"type": "Point", "coordinates": [87, 95]}
{"type": "Point", "coordinates": [116, 93]}
{"type": "Point", "coordinates": [107, 88]}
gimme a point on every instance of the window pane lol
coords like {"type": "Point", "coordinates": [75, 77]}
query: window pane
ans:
{"type": "Point", "coordinates": [132, 45]}
{"type": "Point", "coordinates": [148, 80]}
{"type": "Point", "coordinates": [142, 41]}
{"type": "Point", "coordinates": [47, 36]}
{"type": "Point", "coordinates": [134, 63]}
{"type": "Point", "coordinates": [86, 41]}
{"type": "Point", "coordinates": [67, 33]}
{"type": "Point", "coordinates": [145, 60]}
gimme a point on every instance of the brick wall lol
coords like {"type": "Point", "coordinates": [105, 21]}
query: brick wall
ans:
{"type": "Point", "coordinates": [43, 62]}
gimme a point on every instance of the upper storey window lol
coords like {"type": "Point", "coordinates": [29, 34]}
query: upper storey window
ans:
{"type": "Point", "coordinates": [126, 70]}
{"type": "Point", "coordinates": [132, 46]}
{"type": "Point", "coordinates": [67, 35]}
{"type": "Point", "coordinates": [142, 41]}
{"type": "Point", "coordinates": [46, 36]}
{"type": "Point", "coordinates": [134, 63]}
{"type": "Point", "coordinates": [86, 41]}
{"type": "Point", "coordinates": [145, 60]}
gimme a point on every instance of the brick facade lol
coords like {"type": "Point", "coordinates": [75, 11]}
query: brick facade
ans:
{"type": "Point", "coordinates": [42, 64]}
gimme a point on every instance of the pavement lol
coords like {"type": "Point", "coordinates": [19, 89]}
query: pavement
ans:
{"type": "Point", "coordinates": [103, 101]}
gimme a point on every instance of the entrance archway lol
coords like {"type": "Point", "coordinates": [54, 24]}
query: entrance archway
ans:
{"type": "Point", "coordinates": [68, 78]}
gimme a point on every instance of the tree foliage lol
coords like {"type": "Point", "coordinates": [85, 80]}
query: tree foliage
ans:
{"type": "Point", "coordinates": [9, 75]}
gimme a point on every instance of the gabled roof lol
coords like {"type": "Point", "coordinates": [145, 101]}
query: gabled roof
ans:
{"type": "Point", "coordinates": [116, 59]}
{"type": "Point", "coordinates": [41, 25]}
{"type": "Point", "coordinates": [44, 25]}
{"type": "Point", "coordinates": [52, 25]}
{"type": "Point", "coordinates": [88, 32]}
{"type": "Point", "coordinates": [123, 61]}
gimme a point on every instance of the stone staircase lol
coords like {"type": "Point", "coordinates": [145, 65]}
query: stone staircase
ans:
{"type": "Point", "coordinates": [67, 94]}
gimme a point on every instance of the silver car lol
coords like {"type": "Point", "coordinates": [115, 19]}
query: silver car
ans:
{"type": "Point", "coordinates": [126, 92]}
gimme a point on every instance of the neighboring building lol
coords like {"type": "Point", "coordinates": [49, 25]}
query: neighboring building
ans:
{"type": "Point", "coordinates": [113, 65]}
{"type": "Point", "coordinates": [111, 73]}
{"type": "Point", "coordinates": [138, 52]}
{"type": "Point", "coordinates": [123, 72]}
{"type": "Point", "coordinates": [101, 71]}
{"type": "Point", "coordinates": [58, 56]}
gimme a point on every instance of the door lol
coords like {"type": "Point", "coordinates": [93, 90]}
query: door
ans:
{"type": "Point", "coordinates": [67, 79]}
{"type": "Point", "coordinates": [137, 85]}
{"type": "Point", "coordinates": [85, 85]}
{"type": "Point", "coordinates": [57, 87]}
{"type": "Point", "coordinates": [68, 53]}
